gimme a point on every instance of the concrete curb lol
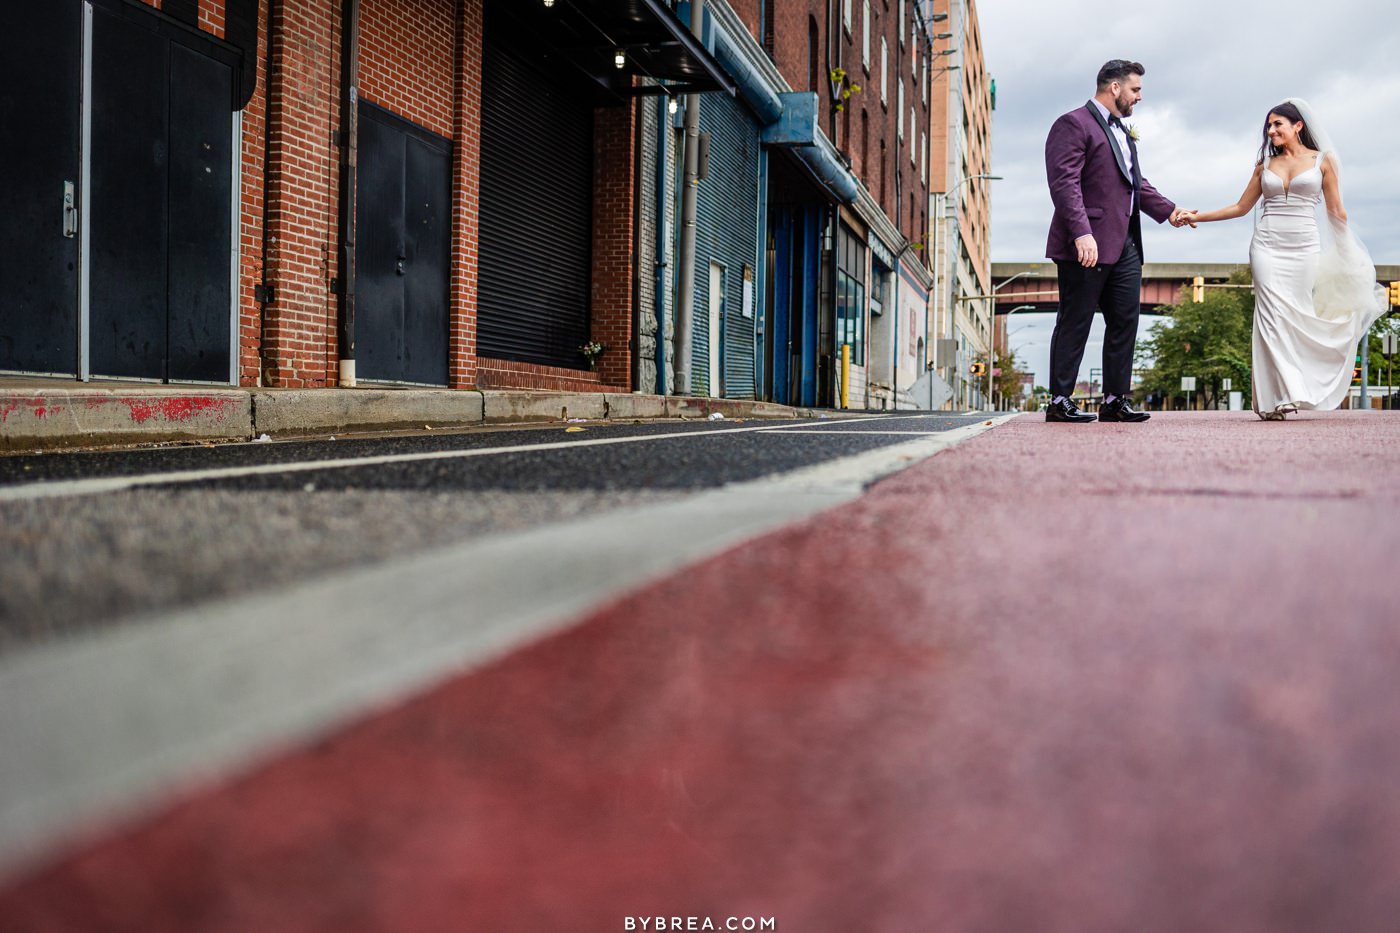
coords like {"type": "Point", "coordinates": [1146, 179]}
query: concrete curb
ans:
{"type": "Point", "coordinates": [42, 417]}
{"type": "Point", "coordinates": [283, 412]}
{"type": "Point", "coordinates": [34, 419]}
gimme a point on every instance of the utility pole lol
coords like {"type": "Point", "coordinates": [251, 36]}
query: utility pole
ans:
{"type": "Point", "coordinates": [685, 306]}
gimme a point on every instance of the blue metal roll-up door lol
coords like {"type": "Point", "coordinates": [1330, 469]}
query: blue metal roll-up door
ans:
{"type": "Point", "coordinates": [727, 233]}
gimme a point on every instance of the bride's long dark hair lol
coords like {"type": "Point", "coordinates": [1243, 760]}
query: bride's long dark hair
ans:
{"type": "Point", "coordinates": [1290, 113]}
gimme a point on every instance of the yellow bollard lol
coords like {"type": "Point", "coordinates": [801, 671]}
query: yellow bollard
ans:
{"type": "Point", "coordinates": [845, 375]}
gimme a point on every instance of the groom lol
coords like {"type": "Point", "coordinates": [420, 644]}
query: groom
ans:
{"type": "Point", "coordinates": [1096, 184]}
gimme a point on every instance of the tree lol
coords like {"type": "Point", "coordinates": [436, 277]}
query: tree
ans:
{"type": "Point", "coordinates": [1209, 340]}
{"type": "Point", "coordinates": [1007, 383]}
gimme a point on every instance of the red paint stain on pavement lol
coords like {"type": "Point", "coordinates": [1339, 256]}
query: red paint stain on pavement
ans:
{"type": "Point", "coordinates": [37, 407]}
{"type": "Point", "coordinates": [174, 408]}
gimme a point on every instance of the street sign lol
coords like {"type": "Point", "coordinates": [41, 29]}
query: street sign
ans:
{"type": "Point", "coordinates": [1390, 343]}
{"type": "Point", "coordinates": [1225, 384]}
{"type": "Point", "coordinates": [1188, 383]}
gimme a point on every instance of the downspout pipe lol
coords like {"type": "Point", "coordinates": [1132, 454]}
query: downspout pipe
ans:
{"type": "Point", "coordinates": [349, 164]}
{"type": "Point", "coordinates": [663, 137]}
{"type": "Point", "coordinates": [685, 308]}
{"type": "Point", "coordinates": [266, 294]}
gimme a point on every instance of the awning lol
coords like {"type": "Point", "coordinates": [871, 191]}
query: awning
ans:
{"type": "Point", "coordinates": [589, 34]}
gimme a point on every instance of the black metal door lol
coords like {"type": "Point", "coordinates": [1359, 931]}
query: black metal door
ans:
{"type": "Point", "coordinates": [402, 250]}
{"type": "Point", "coordinates": [536, 208]}
{"type": "Point", "coordinates": [40, 80]}
{"type": "Point", "coordinates": [160, 203]}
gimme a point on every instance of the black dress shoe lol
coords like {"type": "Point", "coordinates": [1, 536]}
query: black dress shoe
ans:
{"type": "Point", "coordinates": [1121, 409]}
{"type": "Point", "coordinates": [1065, 410]}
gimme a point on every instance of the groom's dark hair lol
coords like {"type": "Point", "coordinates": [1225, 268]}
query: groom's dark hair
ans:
{"type": "Point", "coordinates": [1117, 70]}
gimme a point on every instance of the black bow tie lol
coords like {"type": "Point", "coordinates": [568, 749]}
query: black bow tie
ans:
{"type": "Point", "coordinates": [1114, 121]}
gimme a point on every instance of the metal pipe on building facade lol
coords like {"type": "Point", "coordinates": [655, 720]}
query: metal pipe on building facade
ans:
{"type": "Point", "coordinates": [685, 307]}
{"type": "Point", "coordinates": [663, 172]}
{"type": "Point", "coordinates": [349, 163]}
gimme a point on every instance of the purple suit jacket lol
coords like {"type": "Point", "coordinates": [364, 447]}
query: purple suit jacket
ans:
{"type": "Point", "coordinates": [1092, 190]}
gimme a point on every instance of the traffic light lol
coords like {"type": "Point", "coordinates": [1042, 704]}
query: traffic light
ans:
{"type": "Point", "coordinates": [1198, 289]}
{"type": "Point", "coordinates": [1356, 372]}
{"type": "Point", "coordinates": [1395, 294]}
{"type": "Point", "coordinates": [978, 368]}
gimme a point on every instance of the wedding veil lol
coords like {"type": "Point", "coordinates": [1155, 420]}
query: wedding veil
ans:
{"type": "Point", "coordinates": [1346, 277]}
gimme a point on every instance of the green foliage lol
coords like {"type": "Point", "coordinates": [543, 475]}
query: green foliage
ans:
{"type": "Point", "coordinates": [1381, 368]}
{"type": "Point", "coordinates": [1008, 384]}
{"type": "Point", "coordinates": [1209, 340]}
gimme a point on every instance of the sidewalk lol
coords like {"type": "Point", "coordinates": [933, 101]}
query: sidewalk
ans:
{"type": "Point", "coordinates": [43, 414]}
{"type": "Point", "coordinates": [1060, 678]}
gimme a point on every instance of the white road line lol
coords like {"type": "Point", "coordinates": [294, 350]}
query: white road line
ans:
{"type": "Point", "coordinates": [840, 432]}
{"type": "Point", "coordinates": [89, 487]}
{"type": "Point", "coordinates": [108, 725]}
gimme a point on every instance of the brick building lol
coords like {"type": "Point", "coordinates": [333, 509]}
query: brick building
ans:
{"type": "Point", "coordinates": [961, 156]}
{"type": "Point", "coordinates": [463, 193]}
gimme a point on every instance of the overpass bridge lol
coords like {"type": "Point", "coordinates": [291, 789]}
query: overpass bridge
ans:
{"type": "Point", "coordinates": [1030, 286]}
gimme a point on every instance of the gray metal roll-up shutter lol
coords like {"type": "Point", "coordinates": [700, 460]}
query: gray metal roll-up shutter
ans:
{"type": "Point", "coordinates": [536, 212]}
{"type": "Point", "coordinates": [727, 233]}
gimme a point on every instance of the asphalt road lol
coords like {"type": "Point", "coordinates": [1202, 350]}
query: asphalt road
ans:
{"type": "Point", "coordinates": [95, 538]}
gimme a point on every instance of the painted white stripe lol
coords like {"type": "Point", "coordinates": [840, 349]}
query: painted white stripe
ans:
{"type": "Point", "coordinates": [95, 486]}
{"type": "Point", "coordinates": [107, 726]}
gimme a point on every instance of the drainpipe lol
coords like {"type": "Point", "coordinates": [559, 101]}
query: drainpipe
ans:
{"type": "Point", "coordinates": [349, 162]}
{"type": "Point", "coordinates": [685, 306]}
{"type": "Point", "coordinates": [663, 125]}
{"type": "Point", "coordinates": [265, 292]}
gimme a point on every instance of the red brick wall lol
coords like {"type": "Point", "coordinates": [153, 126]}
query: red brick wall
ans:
{"type": "Point", "coordinates": [614, 239]}
{"type": "Point", "coordinates": [466, 187]}
{"type": "Point", "coordinates": [507, 374]}
{"type": "Point", "coordinates": [406, 59]}
{"type": "Point", "coordinates": [298, 327]}
{"type": "Point", "coordinates": [250, 224]}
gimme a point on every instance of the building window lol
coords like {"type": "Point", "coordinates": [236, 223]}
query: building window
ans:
{"type": "Point", "coordinates": [923, 81]}
{"type": "Point", "coordinates": [884, 71]}
{"type": "Point", "coordinates": [912, 127]}
{"type": "Point", "coordinates": [899, 122]}
{"type": "Point", "coordinates": [865, 35]}
{"type": "Point", "coordinates": [846, 14]}
{"type": "Point", "coordinates": [899, 26]}
{"type": "Point", "coordinates": [768, 33]}
{"type": "Point", "coordinates": [923, 158]}
{"type": "Point", "coordinates": [865, 144]}
{"type": "Point", "coordinates": [850, 293]}
{"type": "Point", "coordinates": [812, 45]}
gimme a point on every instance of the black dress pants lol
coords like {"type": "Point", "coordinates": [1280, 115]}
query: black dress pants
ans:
{"type": "Point", "coordinates": [1116, 290]}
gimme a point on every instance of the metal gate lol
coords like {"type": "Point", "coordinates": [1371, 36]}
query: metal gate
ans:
{"type": "Point", "coordinates": [402, 250]}
{"type": "Point", "coordinates": [40, 81]}
{"type": "Point", "coordinates": [536, 211]}
{"type": "Point", "coordinates": [122, 252]}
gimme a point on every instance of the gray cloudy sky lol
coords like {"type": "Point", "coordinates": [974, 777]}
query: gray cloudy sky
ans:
{"type": "Point", "coordinates": [1214, 67]}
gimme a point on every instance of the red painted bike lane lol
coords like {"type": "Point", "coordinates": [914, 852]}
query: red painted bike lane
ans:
{"type": "Point", "coordinates": [1059, 678]}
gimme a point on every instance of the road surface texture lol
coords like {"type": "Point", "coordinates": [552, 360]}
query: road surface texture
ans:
{"type": "Point", "coordinates": [1056, 678]}
{"type": "Point", "coordinates": [80, 561]}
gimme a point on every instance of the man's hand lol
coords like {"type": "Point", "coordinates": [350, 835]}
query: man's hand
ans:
{"type": "Point", "coordinates": [1181, 217]}
{"type": "Point", "coordinates": [1088, 249]}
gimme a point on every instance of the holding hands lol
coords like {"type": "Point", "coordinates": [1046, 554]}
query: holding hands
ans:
{"type": "Point", "coordinates": [1181, 217]}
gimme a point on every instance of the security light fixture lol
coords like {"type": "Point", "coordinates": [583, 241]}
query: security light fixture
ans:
{"type": "Point", "coordinates": [620, 58]}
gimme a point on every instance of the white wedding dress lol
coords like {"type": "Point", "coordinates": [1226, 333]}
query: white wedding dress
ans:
{"type": "Point", "coordinates": [1305, 331]}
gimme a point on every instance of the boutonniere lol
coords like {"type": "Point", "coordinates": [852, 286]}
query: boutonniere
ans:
{"type": "Point", "coordinates": [1133, 133]}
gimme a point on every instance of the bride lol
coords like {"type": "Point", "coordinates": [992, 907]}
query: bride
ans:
{"type": "Point", "coordinates": [1311, 305]}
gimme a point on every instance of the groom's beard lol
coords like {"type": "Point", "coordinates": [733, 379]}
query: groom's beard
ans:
{"type": "Point", "coordinates": [1125, 106]}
